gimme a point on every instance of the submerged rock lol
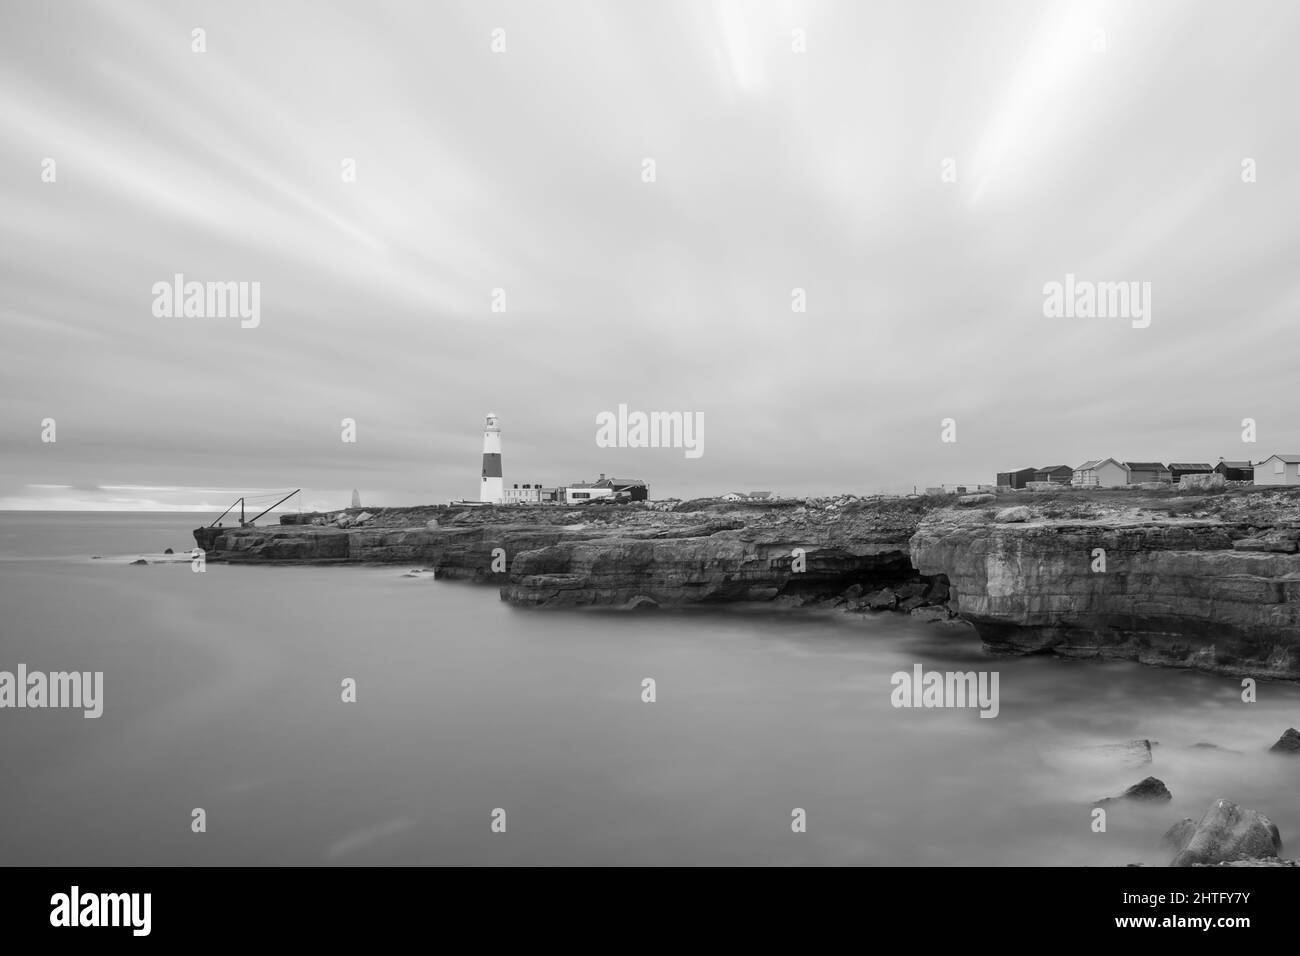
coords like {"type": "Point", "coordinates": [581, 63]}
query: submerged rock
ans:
{"type": "Point", "coordinates": [1178, 835]}
{"type": "Point", "coordinates": [1229, 832]}
{"type": "Point", "coordinates": [169, 551]}
{"type": "Point", "coordinates": [139, 561]}
{"type": "Point", "coordinates": [1288, 743]}
{"type": "Point", "coordinates": [1131, 753]}
{"type": "Point", "coordinates": [1148, 790]}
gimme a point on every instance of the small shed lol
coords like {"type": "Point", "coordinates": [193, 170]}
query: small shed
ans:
{"type": "Point", "coordinates": [1278, 470]}
{"type": "Point", "coordinates": [1235, 470]}
{"type": "Point", "coordinates": [1140, 471]}
{"type": "Point", "coordinates": [1016, 479]}
{"type": "Point", "coordinates": [1105, 473]}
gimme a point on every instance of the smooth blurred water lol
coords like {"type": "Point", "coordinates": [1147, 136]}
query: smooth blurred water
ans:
{"type": "Point", "coordinates": [222, 691]}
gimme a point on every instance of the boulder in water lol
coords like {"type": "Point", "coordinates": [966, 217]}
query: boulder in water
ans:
{"type": "Point", "coordinates": [1288, 743]}
{"type": "Point", "coordinates": [1149, 790]}
{"type": "Point", "coordinates": [1178, 835]}
{"type": "Point", "coordinates": [1230, 832]}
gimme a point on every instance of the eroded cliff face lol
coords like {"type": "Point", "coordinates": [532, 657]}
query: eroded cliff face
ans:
{"type": "Point", "coordinates": [1155, 589]}
{"type": "Point", "coordinates": [454, 552]}
{"type": "Point", "coordinates": [723, 567]}
{"type": "Point", "coordinates": [617, 557]}
{"type": "Point", "coordinates": [1207, 582]}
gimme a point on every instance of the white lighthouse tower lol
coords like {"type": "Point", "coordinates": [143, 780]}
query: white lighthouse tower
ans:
{"type": "Point", "coordinates": [492, 488]}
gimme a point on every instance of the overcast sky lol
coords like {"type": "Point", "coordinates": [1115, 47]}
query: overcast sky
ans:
{"type": "Point", "coordinates": [1100, 139]}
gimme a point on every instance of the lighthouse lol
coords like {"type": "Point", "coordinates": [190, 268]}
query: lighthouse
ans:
{"type": "Point", "coordinates": [492, 489]}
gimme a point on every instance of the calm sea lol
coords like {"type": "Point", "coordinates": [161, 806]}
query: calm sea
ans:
{"type": "Point", "coordinates": [222, 692]}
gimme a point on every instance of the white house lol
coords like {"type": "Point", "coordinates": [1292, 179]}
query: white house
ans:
{"type": "Point", "coordinates": [526, 494]}
{"type": "Point", "coordinates": [583, 492]}
{"type": "Point", "coordinates": [1106, 473]}
{"type": "Point", "coordinates": [1278, 470]}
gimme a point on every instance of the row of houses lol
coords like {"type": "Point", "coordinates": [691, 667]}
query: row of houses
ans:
{"type": "Point", "coordinates": [1112, 473]}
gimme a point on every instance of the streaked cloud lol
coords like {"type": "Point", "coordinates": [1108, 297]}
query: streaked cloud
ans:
{"type": "Point", "coordinates": [522, 171]}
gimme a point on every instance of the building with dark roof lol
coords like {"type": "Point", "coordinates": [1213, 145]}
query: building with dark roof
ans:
{"type": "Point", "coordinates": [1179, 468]}
{"type": "Point", "coordinates": [1060, 474]}
{"type": "Point", "coordinates": [1140, 471]}
{"type": "Point", "coordinates": [1235, 470]}
{"type": "Point", "coordinates": [1016, 479]}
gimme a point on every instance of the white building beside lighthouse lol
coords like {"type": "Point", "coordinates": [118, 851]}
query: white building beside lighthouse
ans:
{"type": "Point", "coordinates": [492, 488]}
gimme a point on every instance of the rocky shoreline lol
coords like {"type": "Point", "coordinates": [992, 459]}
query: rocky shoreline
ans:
{"type": "Point", "coordinates": [1209, 581]}
{"type": "Point", "coordinates": [1206, 581]}
{"type": "Point", "coordinates": [1226, 834]}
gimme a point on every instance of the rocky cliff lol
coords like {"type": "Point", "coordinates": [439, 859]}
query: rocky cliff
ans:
{"type": "Point", "coordinates": [1197, 589]}
{"type": "Point", "coordinates": [793, 558]}
{"type": "Point", "coordinates": [452, 552]}
{"type": "Point", "coordinates": [1207, 581]}
{"type": "Point", "coordinates": [614, 556]}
